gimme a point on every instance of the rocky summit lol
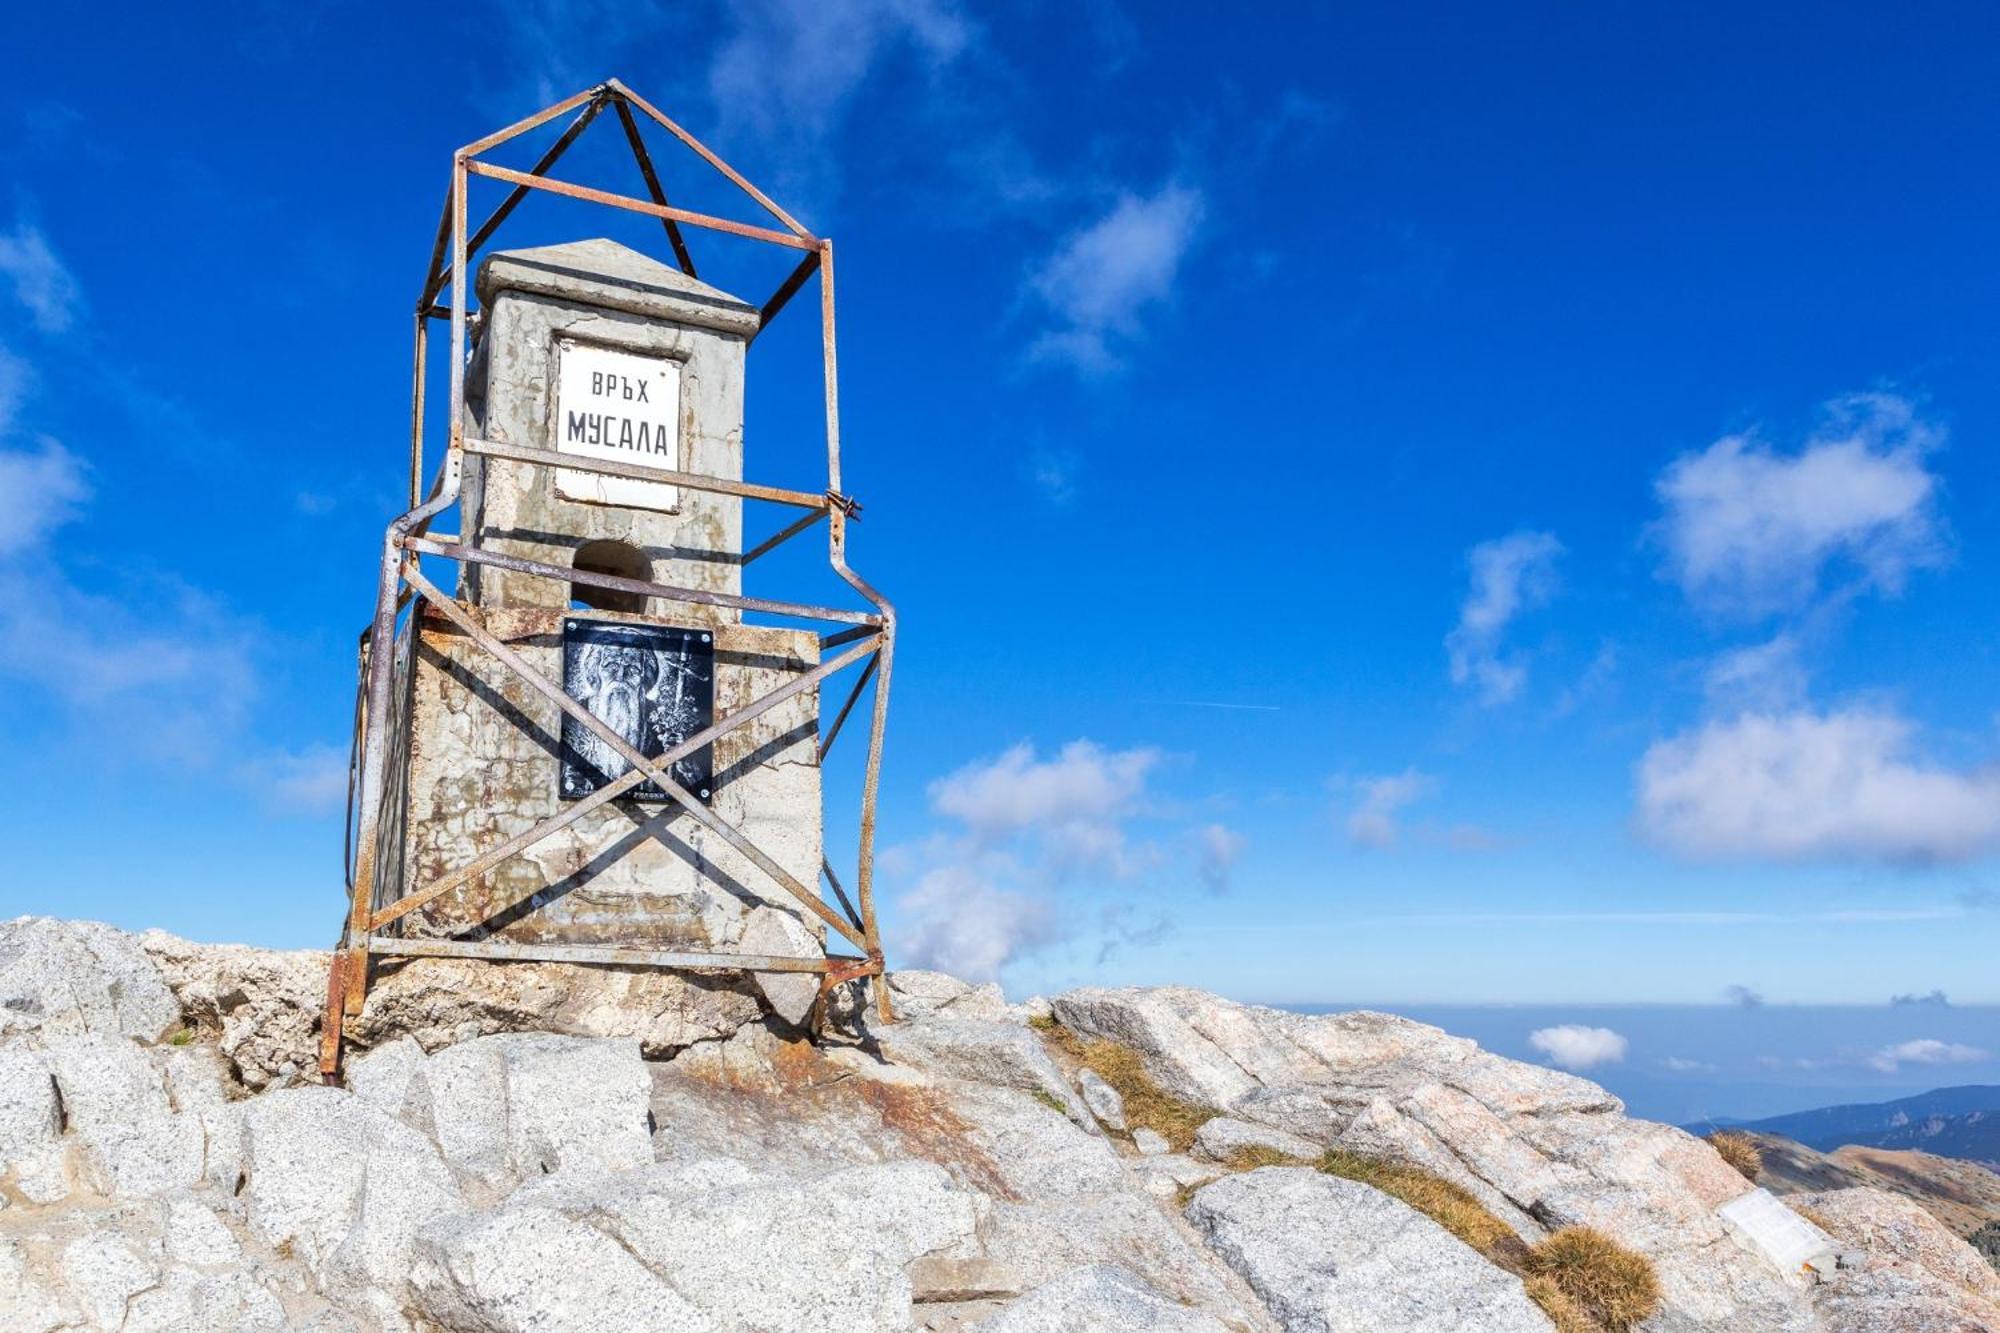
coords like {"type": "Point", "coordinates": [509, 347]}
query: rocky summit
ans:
{"type": "Point", "coordinates": [543, 1147]}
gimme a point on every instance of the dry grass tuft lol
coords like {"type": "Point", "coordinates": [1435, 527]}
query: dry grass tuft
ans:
{"type": "Point", "coordinates": [1253, 1155]}
{"type": "Point", "coordinates": [1564, 1313]}
{"type": "Point", "coordinates": [1147, 1105]}
{"type": "Point", "coordinates": [1740, 1151]}
{"type": "Point", "coordinates": [1613, 1286]}
{"type": "Point", "coordinates": [1043, 1022]}
{"type": "Point", "coordinates": [1450, 1206]}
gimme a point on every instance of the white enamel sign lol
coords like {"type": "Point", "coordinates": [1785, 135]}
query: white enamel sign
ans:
{"type": "Point", "coordinates": [622, 408]}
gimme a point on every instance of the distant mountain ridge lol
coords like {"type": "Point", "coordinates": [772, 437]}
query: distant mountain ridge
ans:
{"type": "Point", "coordinates": [1962, 1122]}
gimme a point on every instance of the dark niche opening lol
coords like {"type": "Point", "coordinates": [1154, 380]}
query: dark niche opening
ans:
{"type": "Point", "coordinates": [609, 557]}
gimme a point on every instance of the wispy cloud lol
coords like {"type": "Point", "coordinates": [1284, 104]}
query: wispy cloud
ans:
{"type": "Point", "coordinates": [1371, 822]}
{"type": "Point", "coordinates": [40, 489]}
{"type": "Point", "coordinates": [1509, 575]}
{"type": "Point", "coordinates": [41, 281]}
{"type": "Point", "coordinates": [1736, 994]}
{"type": "Point", "coordinates": [1220, 846]}
{"type": "Point", "coordinates": [1814, 786]}
{"type": "Point", "coordinates": [1750, 530]}
{"type": "Point", "coordinates": [1574, 1046]}
{"type": "Point", "coordinates": [1074, 803]}
{"type": "Point", "coordinates": [1105, 277]}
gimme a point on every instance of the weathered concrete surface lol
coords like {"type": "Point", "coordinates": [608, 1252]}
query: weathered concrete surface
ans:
{"type": "Point", "coordinates": [602, 293]}
{"type": "Point", "coordinates": [484, 753]}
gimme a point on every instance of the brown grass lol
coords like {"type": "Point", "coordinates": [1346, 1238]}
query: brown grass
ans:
{"type": "Point", "coordinates": [1608, 1282]}
{"type": "Point", "coordinates": [1448, 1205]}
{"type": "Point", "coordinates": [1740, 1151]}
{"type": "Point", "coordinates": [1147, 1105]}
{"type": "Point", "coordinates": [1583, 1280]}
{"type": "Point", "coordinates": [1564, 1313]}
{"type": "Point", "coordinates": [1253, 1155]}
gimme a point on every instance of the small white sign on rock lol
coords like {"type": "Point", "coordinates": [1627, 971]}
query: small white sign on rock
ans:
{"type": "Point", "coordinates": [1788, 1241]}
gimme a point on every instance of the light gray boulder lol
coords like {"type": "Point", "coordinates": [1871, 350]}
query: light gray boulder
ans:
{"type": "Point", "coordinates": [777, 933]}
{"type": "Point", "coordinates": [343, 1184]}
{"type": "Point", "coordinates": [517, 1106]}
{"type": "Point", "coordinates": [1222, 1138]}
{"type": "Point", "coordinates": [916, 993]}
{"type": "Point", "coordinates": [262, 1005]}
{"type": "Point", "coordinates": [1102, 1099]}
{"type": "Point", "coordinates": [980, 1050]}
{"type": "Point", "coordinates": [68, 978]}
{"type": "Point", "coordinates": [1166, 1175]}
{"type": "Point", "coordinates": [1150, 1143]}
{"type": "Point", "coordinates": [1917, 1277]}
{"type": "Point", "coordinates": [30, 1123]}
{"type": "Point", "coordinates": [1325, 1253]}
{"type": "Point", "coordinates": [1099, 1298]}
{"type": "Point", "coordinates": [129, 1140]}
{"type": "Point", "coordinates": [705, 1244]}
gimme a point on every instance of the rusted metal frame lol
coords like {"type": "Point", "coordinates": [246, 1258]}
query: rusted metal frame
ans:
{"type": "Point", "coordinates": [787, 290]}
{"type": "Point", "coordinates": [526, 123]}
{"type": "Point", "coordinates": [694, 481]}
{"type": "Point", "coordinates": [827, 641]}
{"type": "Point", "coordinates": [645, 161]}
{"type": "Point", "coordinates": [590, 722]}
{"type": "Point", "coordinates": [699, 147]}
{"type": "Point", "coordinates": [840, 718]}
{"type": "Point", "coordinates": [632, 205]}
{"type": "Point", "coordinates": [615, 954]}
{"type": "Point", "coordinates": [885, 658]}
{"type": "Point", "coordinates": [833, 882]}
{"type": "Point", "coordinates": [610, 791]}
{"type": "Point", "coordinates": [433, 271]}
{"type": "Point", "coordinates": [331, 1027]}
{"type": "Point", "coordinates": [418, 358]}
{"type": "Point", "coordinates": [778, 539]}
{"type": "Point", "coordinates": [435, 283]}
{"type": "Point", "coordinates": [643, 587]}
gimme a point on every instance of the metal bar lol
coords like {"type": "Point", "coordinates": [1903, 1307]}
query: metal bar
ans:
{"type": "Point", "coordinates": [786, 290]}
{"type": "Point", "coordinates": [712, 160]}
{"type": "Point", "coordinates": [434, 271]}
{"type": "Point", "coordinates": [417, 411]}
{"type": "Point", "coordinates": [694, 481]}
{"type": "Point", "coordinates": [844, 636]}
{"type": "Point", "coordinates": [840, 719]}
{"type": "Point", "coordinates": [522, 126]}
{"type": "Point", "coordinates": [493, 856]}
{"type": "Point", "coordinates": [618, 582]}
{"type": "Point", "coordinates": [520, 192]}
{"type": "Point", "coordinates": [590, 722]}
{"type": "Point", "coordinates": [778, 539]}
{"type": "Point", "coordinates": [632, 205]}
{"type": "Point", "coordinates": [833, 881]}
{"type": "Point", "coordinates": [592, 953]}
{"type": "Point", "coordinates": [645, 162]}
{"type": "Point", "coordinates": [330, 1026]}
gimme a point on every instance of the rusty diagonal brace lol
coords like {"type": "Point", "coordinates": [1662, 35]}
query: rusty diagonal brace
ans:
{"type": "Point", "coordinates": [610, 791]}
{"type": "Point", "coordinates": [630, 753]}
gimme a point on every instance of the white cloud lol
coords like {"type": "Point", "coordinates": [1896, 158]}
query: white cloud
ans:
{"type": "Point", "coordinates": [1574, 1046]}
{"type": "Point", "coordinates": [1806, 785]}
{"type": "Point", "coordinates": [1764, 676]}
{"type": "Point", "coordinates": [41, 282]}
{"type": "Point", "coordinates": [958, 920]}
{"type": "Point", "coordinates": [1220, 846]}
{"type": "Point", "coordinates": [1510, 575]}
{"type": "Point", "coordinates": [1372, 822]}
{"type": "Point", "coordinates": [788, 73]}
{"type": "Point", "coordinates": [310, 781]}
{"type": "Point", "coordinates": [1103, 277]}
{"type": "Point", "coordinates": [1074, 803]}
{"type": "Point", "coordinates": [1681, 1065]}
{"type": "Point", "coordinates": [1750, 530]}
{"type": "Point", "coordinates": [40, 490]}
{"type": "Point", "coordinates": [1925, 1051]}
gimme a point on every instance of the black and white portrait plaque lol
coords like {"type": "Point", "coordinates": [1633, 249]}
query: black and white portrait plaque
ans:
{"type": "Point", "coordinates": [652, 684]}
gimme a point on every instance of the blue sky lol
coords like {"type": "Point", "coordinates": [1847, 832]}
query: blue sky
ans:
{"type": "Point", "coordinates": [1419, 505]}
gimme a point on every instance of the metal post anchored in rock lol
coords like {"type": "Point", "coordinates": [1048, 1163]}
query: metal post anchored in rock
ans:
{"type": "Point", "coordinates": [588, 751]}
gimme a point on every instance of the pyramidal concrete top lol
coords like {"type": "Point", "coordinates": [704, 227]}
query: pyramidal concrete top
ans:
{"type": "Point", "coordinates": [604, 273]}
